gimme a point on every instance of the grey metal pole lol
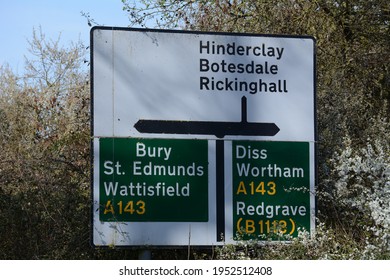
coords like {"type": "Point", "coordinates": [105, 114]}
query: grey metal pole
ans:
{"type": "Point", "coordinates": [145, 255]}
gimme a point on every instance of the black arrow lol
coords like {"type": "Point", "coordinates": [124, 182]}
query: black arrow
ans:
{"type": "Point", "coordinates": [219, 129]}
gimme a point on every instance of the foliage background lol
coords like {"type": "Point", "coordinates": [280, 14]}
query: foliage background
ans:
{"type": "Point", "coordinates": [45, 132]}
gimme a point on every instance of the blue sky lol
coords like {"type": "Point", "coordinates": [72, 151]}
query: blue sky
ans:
{"type": "Point", "coordinates": [55, 17]}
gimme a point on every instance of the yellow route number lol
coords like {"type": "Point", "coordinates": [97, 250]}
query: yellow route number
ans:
{"type": "Point", "coordinates": [130, 207]}
{"type": "Point", "coordinates": [253, 189]}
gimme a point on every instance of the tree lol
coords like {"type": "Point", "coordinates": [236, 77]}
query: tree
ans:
{"type": "Point", "coordinates": [45, 138]}
{"type": "Point", "coordinates": [45, 162]}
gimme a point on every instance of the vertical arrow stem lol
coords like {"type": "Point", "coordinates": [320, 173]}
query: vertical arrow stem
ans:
{"type": "Point", "coordinates": [220, 189]}
{"type": "Point", "coordinates": [243, 110]}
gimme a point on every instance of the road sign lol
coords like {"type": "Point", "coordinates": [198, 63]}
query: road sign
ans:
{"type": "Point", "coordinates": [270, 188]}
{"type": "Point", "coordinates": [153, 180]}
{"type": "Point", "coordinates": [198, 137]}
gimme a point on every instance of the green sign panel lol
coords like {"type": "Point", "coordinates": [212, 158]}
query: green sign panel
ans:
{"type": "Point", "coordinates": [271, 183]}
{"type": "Point", "coordinates": [153, 180]}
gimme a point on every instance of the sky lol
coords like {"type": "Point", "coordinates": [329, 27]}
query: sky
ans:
{"type": "Point", "coordinates": [18, 18]}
